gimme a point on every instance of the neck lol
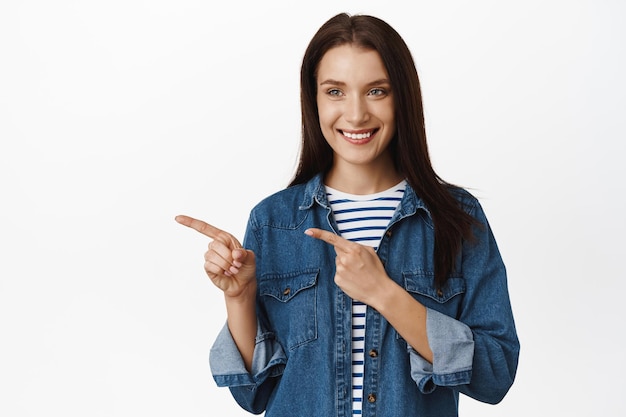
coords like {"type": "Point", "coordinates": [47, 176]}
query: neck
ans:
{"type": "Point", "coordinates": [361, 180]}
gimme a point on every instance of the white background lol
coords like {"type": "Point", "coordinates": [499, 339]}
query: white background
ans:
{"type": "Point", "coordinates": [115, 116]}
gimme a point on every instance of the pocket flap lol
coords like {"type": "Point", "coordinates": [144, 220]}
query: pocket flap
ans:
{"type": "Point", "coordinates": [423, 283]}
{"type": "Point", "coordinates": [284, 287]}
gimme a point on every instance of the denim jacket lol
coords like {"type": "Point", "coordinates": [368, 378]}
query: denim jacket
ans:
{"type": "Point", "coordinates": [302, 358]}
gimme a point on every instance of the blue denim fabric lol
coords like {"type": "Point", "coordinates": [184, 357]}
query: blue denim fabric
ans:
{"type": "Point", "coordinates": [302, 358]}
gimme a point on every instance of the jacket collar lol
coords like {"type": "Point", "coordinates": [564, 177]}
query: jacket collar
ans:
{"type": "Point", "coordinates": [314, 191]}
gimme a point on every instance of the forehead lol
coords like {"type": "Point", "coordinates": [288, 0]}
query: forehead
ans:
{"type": "Point", "coordinates": [348, 63]}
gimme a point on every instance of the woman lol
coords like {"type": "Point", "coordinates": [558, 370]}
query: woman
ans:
{"type": "Point", "coordinates": [369, 285]}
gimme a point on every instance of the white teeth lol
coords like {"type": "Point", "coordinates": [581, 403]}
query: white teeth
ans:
{"type": "Point", "coordinates": [357, 135]}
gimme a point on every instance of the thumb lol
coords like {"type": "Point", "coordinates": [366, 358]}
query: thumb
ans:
{"type": "Point", "coordinates": [242, 256]}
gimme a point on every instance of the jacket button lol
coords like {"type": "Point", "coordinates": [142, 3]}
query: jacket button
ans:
{"type": "Point", "coordinates": [286, 291]}
{"type": "Point", "coordinates": [371, 398]}
{"type": "Point", "coordinates": [373, 353]}
{"type": "Point", "coordinates": [440, 293]}
{"type": "Point", "coordinates": [388, 234]}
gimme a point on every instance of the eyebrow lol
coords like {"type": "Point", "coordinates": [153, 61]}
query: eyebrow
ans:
{"type": "Point", "coordinates": [330, 81]}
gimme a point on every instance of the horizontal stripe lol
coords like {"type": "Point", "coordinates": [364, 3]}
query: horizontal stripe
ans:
{"type": "Point", "coordinates": [347, 200]}
{"type": "Point", "coordinates": [361, 209]}
{"type": "Point", "coordinates": [364, 219]}
{"type": "Point", "coordinates": [363, 229]}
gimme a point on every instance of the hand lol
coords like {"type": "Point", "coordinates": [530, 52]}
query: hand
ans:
{"type": "Point", "coordinates": [359, 271]}
{"type": "Point", "coordinates": [231, 267]}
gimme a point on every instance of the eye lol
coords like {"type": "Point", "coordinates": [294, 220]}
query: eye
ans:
{"type": "Point", "coordinates": [378, 92]}
{"type": "Point", "coordinates": [334, 92]}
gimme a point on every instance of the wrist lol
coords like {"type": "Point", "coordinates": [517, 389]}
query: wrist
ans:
{"type": "Point", "coordinates": [386, 297]}
{"type": "Point", "coordinates": [246, 296]}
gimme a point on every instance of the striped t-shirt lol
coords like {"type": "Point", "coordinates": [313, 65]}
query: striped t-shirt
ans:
{"type": "Point", "coordinates": [362, 219]}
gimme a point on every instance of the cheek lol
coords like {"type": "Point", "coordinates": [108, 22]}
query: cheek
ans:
{"type": "Point", "coordinates": [387, 114]}
{"type": "Point", "coordinates": [327, 117]}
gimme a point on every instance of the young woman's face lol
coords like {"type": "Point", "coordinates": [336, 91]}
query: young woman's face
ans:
{"type": "Point", "coordinates": [355, 105]}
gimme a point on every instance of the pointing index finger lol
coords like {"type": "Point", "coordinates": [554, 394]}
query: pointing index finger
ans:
{"type": "Point", "coordinates": [200, 226]}
{"type": "Point", "coordinates": [330, 238]}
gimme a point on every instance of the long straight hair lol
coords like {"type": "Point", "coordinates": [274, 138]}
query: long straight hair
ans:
{"type": "Point", "coordinates": [408, 148]}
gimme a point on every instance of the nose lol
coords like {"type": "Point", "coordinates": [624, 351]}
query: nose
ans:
{"type": "Point", "coordinates": [356, 111]}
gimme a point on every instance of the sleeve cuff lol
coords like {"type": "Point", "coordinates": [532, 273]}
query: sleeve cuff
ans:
{"type": "Point", "coordinates": [452, 344]}
{"type": "Point", "coordinates": [227, 365]}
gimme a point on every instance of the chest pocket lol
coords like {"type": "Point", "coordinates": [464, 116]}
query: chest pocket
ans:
{"type": "Point", "coordinates": [290, 302]}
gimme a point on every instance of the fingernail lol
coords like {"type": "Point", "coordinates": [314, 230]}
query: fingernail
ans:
{"type": "Point", "coordinates": [237, 264]}
{"type": "Point", "coordinates": [308, 232]}
{"type": "Point", "coordinates": [233, 270]}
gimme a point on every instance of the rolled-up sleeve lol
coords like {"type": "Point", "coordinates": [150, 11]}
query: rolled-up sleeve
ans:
{"type": "Point", "coordinates": [452, 344]}
{"type": "Point", "coordinates": [250, 389]}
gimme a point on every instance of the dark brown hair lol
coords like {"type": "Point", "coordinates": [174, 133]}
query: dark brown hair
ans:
{"type": "Point", "coordinates": [408, 148]}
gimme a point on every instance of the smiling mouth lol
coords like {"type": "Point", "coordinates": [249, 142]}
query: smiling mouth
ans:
{"type": "Point", "coordinates": [358, 136]}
